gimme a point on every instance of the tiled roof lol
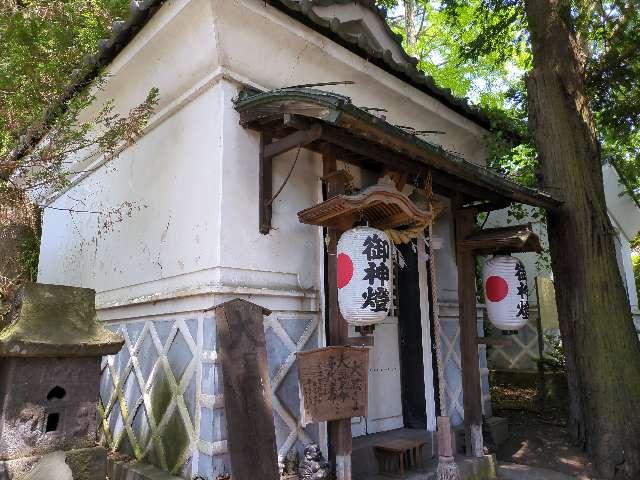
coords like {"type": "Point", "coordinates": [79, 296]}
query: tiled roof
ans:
{"type": "Point", "coordinates": [406, 70]}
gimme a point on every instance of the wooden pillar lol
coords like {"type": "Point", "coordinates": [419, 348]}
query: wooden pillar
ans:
{"type": "Point", "coordinates": [265, 187]}
{"type": "Point", "coordinates": [242, 352]}
{"type": "Point", "coordinates": [339, 430]}
{"type": "Point", "coordinates": [464, 222]}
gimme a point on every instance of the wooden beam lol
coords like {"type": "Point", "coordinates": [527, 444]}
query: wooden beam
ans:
{"type": "Point", "coordinates": [377, 155]}
{"type": "Point", "coordinates": [265, 187]}
{"type": "Point", "coordinates": [339, 430]}
{"type": "Point", "coordinates": [513, 239]}
{"type": "Point", "coordinates": [472, 396]}
{"type": "Point", "coordinates": [296, 139]}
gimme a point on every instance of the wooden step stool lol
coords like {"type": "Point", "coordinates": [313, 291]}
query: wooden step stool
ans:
{"type": "Point", "coordinates": [396, 456]}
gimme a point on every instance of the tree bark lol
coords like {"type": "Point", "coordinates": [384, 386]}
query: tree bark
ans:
{"type": "Point", "coordinates": [601, 345]}
{"type": "Point", "coordinates": [410, 21]}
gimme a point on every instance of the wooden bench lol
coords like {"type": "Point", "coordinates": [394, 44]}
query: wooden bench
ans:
{"type": "Point", "coordinates": [396, 456]}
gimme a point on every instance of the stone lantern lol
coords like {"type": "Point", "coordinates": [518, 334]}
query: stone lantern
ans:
{"type": "Point", "coordinates": [51, 346]}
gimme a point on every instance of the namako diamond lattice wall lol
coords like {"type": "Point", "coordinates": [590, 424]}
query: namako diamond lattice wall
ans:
{"type": "Point", "coordinates": [162, 399]}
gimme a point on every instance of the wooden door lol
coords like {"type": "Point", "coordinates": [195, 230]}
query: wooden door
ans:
{"type": "Point", "coordinates": [414, 405]}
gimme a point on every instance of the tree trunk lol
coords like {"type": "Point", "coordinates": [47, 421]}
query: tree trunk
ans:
{"type": "Point", "coordinates": [601, 345]}
{"type": "Point", "coordinates": [19, 226]}
{"type": "Point", "coordinates": [410, 21]}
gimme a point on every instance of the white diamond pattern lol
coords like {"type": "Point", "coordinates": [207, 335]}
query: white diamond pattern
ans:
{"type": "Point", "coordinates": [450, 344]}
{"type": "Point", "coordinates": [296, 432]}
{"type": "Point", "coordinates": [523, 351]}
{"type": "Point", "coordinates": [154, 422]}
{"type": "Point", "coordinates": [130, 411]}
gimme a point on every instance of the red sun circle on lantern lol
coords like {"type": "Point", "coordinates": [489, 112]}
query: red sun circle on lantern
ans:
{"type": "Point", "coordinates": [496, 288]}
{"type": "Point", "coordinates": [344, 270]}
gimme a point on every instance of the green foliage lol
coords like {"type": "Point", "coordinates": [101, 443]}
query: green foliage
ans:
{"type": "Point", "coordinates": [635, 260]}
{"type": "Point", "coordinates": [44, 47]}
{"type": "Point", "coordinates": [29, 256]}
{"type": "Point", "coordinates": [553, 358]}
{"type": "Point", "coordinates": [44, 44]}
{"type": "Point", "coordinates": [481, 49]}
{"type": "Point", "coordinates": [43, 41]}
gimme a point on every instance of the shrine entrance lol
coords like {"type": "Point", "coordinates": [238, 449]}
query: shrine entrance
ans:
{"type": "Point", "coordinates": [385, 398]}
{"type": "Point", "coordinates": [401, 376]}
{"type": "Point", "coordinates": [344, 134]}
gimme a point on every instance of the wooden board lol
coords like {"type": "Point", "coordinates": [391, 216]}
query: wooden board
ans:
{"type": "Point", "coordinates": [334, 383]}
{"type": "Point", "coordinates": [247, 393]}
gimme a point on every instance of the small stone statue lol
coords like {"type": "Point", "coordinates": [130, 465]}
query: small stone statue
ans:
{"type": "Point", "coordinates": [313, 465]}
{"type": "Point", "coordinates": [291, 462]}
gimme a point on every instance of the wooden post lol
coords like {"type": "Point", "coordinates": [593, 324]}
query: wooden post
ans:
{"type": "Point", "coordinates": [339, 430]}
{"type": "Point", "coordinates": [247, 392]}
{"type": "Point", "coordinates": [464, 221]}
{"type": "Point", "coordinates": [265, 187]}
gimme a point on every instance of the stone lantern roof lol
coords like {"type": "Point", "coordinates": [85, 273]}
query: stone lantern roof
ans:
{"type": "Point", "coordinates": [55, 321]}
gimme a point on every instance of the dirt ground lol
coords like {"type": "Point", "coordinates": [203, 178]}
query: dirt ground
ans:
{"type": "Point", "coordinates": [537, 437]}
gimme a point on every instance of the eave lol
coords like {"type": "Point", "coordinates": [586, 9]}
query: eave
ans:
{"type": "Point", "coordinates": [370, 142]}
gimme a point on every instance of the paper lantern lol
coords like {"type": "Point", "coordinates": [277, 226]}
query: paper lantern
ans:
{"type": "Point", "coordinates": [506, 293]}
{"type": "Point", "coordinates": [364, 270]}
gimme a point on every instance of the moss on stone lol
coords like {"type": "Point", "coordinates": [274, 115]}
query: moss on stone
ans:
{"type": "Point", "coordinates": [56, 321]}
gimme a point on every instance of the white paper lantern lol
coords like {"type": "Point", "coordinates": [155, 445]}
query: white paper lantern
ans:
{"type": "Point", "coordinates": [506, 293]}
{"type": "Point", "coordinates": [364, 276]}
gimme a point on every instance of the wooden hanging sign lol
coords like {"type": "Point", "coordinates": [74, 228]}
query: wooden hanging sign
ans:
{"type": "Point", "coordinates": [334, 383]}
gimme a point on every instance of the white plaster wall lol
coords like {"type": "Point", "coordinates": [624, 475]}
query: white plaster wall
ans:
{"type": "Point", "coordinates": [623, 210]}
{"type": "Point", "coordinates": [260, 43]}
{"type": "Point", "coordinates": [292, 252]}
{"type": "Point", "coordinates": [446, 268]}
{"type": "Point", "coordinates": [173, 52]}
{"type": "Point", "coordinates": [170, 175]}
{"type": "Point", "coordinates": [196, 168]}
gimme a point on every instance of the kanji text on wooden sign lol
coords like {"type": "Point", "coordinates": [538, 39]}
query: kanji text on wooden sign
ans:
{"type": "Point", "coordinates": [334, 383]}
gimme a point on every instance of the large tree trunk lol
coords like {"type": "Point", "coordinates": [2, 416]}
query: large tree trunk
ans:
{"type": "Point", "coordinates": [602, 348]}
{"type": "Point", "coordinates": [410, 21]}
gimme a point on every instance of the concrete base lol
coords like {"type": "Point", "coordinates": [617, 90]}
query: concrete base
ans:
{"type": "Point", "coordinates": [118, 470]}
{"type": "Point", "coordinates": [85, 464]}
